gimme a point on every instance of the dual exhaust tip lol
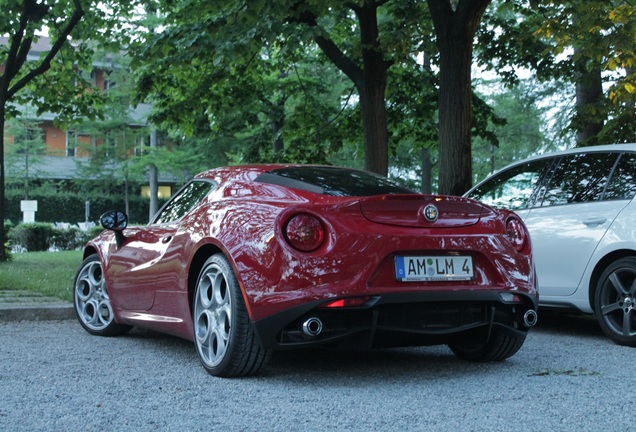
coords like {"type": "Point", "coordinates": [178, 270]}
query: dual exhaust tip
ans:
{"type": "Point", "coordinates": [312, 326]}
{"type": "Point", "coordinates": [530, 318]}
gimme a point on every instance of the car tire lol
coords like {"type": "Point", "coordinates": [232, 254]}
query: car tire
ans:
{"type": "Point", "coordinates": [500, 346]}
{"type": "Point", "coordinates": [615, 301]}
{"type": "Point", "coordinates": [92, 302]}
{"type": "Point", "coordinates": [223, 334]}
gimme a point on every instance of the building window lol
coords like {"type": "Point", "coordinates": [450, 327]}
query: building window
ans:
{"type": "Point", "coordinates": [139, 146]}
{"type": "Point", "coordinates": [75, 141]}
{"type": "Point", "coordinates": [163, 192]}
{"type": "Point", "coordinates": [109, 81]}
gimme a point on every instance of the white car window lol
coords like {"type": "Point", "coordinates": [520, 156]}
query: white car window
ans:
{"type": "Point", "coordinates": [514, 188]}
{"type": "Point", "coordinates": [578, 178]}
{"type": "Point", "coordinates": [622, 185]}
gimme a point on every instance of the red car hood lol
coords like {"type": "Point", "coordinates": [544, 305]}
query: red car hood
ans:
{"type": "Point", "coordinates": [411, 210]}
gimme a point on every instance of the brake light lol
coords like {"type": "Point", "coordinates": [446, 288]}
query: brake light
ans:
{"type": "Point", "coordinates": [346, 302]}
{"type": "Point", "coordinates": [517, 233]}
{"type": "Point", "coordinates": [305, 232]}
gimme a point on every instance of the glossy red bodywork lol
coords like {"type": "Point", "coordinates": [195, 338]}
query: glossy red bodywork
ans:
{"type": "Point", "coordinates": [151, 277]}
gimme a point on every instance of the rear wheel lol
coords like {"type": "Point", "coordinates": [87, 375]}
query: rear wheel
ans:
{"type": "Point", "coordinates": [500, 346]}
{"type": "Point", "coordinates": [615, 301]}
{"type": "Point", "coordinates": [92, 302]}
{"type": "Point", "coordinates": [223, 334]}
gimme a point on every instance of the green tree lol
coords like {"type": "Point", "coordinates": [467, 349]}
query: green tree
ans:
{"type": "Point", "coordinates": [276, 105]}
{"type": "Point", "coordinates": [602, 37]}
{"type": "Point", "coordinates": [21, 19]}
{"type": "Point", "coordinates": [24, 152]}
{"type": "Point", "coordinates": [54, 74]}
{"type": "Point", "coordinates": [117, 139]}
{"type": "Point", "coordinates": [364, 40]}
{"type": "Point", "coordinates": [524, 131]}
{"type": "Point", "coordinates": [412, 108]}
{"type": "Point", "coordinates": [456, 23]}
{"type": "Point", "coordinates": [233, 40]}
{"type": "Point", "coordinates": [586, 44]}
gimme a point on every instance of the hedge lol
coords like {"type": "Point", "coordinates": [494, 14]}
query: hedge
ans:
{"type": "Point", "coordinates": [34, 237]}
{"type": "Point", "coordinates": [70, 207]}
{"type": "Point", "coordinates": [40, 236]}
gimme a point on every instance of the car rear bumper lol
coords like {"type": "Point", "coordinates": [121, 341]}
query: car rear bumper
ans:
{"type": "Point", "coordinates": [409, 319]}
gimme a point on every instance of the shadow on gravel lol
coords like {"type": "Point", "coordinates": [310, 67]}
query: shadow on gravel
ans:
{"type": "Point", "coordinates": [572, 324]}
{"type": "Point", "coordinates": [303, 364]}
{"type": "Point", "coordinates": [145, 334]}
{"type": "Point", "coordinates": [400, 364]}
{"type": "Point", "coordinates": [394, 365]}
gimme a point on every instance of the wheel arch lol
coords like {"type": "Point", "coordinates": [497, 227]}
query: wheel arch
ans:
{"type": "Point", "coordinates": [88, 251]}
{"type": "Point", "coordinates": [601, 265]}
{"type": "Point", "coordinates": [196, 264]}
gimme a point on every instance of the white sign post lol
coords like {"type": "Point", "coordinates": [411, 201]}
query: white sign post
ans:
{"type": "Point", "coordinates": [28, 207]}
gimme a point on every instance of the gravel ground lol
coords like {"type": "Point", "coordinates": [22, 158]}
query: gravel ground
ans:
{"type": "Point", "coordinates": [567, 377]}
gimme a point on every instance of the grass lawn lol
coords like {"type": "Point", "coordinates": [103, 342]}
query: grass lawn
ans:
{"type": "Point", "coordinates": [48, 273]}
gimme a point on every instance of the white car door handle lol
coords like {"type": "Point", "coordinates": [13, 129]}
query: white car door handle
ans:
{"type": "Point", "coordinates": [595, 221]}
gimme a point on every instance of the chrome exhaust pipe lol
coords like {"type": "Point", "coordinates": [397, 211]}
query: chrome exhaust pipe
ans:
{"type": "Point", "coordinates": [530, 318]}
{"type": "Point", "coordinates": [312, 327]}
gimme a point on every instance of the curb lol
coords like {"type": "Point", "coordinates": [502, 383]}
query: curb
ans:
{"type": "Point", "coordinates": [20, 305]}
{"type": "Point", "coordinates": [40, 312]}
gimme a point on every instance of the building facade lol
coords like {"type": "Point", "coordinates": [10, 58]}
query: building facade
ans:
{"type": "Point", "coordinates": [66, 155]}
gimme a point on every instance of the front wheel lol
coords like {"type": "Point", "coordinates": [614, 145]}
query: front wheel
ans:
{"type": "Point", "coordinates": [91, 300]}
{"type": "Point", "coordinates": [500, 346]}
{"type": "Point", "coordinates": [615, 301]}
{"type": "Point", "coordinates": [223, 334]}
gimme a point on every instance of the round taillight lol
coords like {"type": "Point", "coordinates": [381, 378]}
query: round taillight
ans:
{"type": "Point", "coordinates": [304, 232]}
{"type": "Point", "coordinates": [517, 233]}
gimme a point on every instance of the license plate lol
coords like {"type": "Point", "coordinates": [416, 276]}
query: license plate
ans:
{"type": "Point", "coordinates": [433, 268]}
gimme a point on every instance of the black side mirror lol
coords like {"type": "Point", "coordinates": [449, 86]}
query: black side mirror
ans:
{"type": "Point", "coordinates": [115, 221]}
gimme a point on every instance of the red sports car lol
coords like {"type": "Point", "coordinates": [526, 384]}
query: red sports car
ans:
{"type": "Point", "coordinates": [245, 260]}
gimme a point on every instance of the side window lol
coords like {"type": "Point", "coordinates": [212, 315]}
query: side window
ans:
{"type": "Point", "coordinates": [622, 185]}
{"type": "Point", "coordinates": [578, 178]}
{"type": "Point", "coordinates": [514, 188]}
{"type": "Point", "coordinates": [184, 201]}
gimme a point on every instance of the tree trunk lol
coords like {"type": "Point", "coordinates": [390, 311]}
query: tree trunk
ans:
{"type": "Point", "coordinates": [455, 30]}
{"type": "Point", "coordinates": [370, 81]}
{"type": "Point", "coordinates": [126, 196]}
{"type": "Point", "coordinates": [374, 121]}
{"type": "Point", "coordinates": [153, 181]}
{"type": "Point", "coordinates": [455, 117]}
{"type": "Point", "coordinates": [427, 171]}
{"type": "Point", "coordinates": [589, 92]}
{"type": "Point", "coordinates": [3, 255]}
{"type": "Point", "coordinates": [19, 46]}
{"type": "Point", "coordinates": [277, 116]}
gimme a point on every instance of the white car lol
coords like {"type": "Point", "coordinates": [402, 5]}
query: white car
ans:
{"type": "Point", "coordinates": [579, 208]}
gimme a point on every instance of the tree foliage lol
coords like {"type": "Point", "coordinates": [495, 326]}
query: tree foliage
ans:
{"type": "Point", "coordinates": [23, 153]}
{"type": "Point", "coordinates": [224, 50]}
{"type": "Point", "coordinates": [580, 42]}
{"type": "Point", "coordinates": [259, 103]}
{"type": "Point", "coordinates": [51, 83]}
{"type": "Point", "coordinates": [524, 131]}
{"type": "Point", "coordinates": [114, 145]}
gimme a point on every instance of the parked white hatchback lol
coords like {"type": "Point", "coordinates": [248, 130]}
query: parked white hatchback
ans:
{"type": "Point", "coordinates": [578, 206]}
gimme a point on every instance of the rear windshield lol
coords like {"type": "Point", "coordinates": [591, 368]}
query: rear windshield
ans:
{"type": "Point", "coordinates": [333, 181]}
